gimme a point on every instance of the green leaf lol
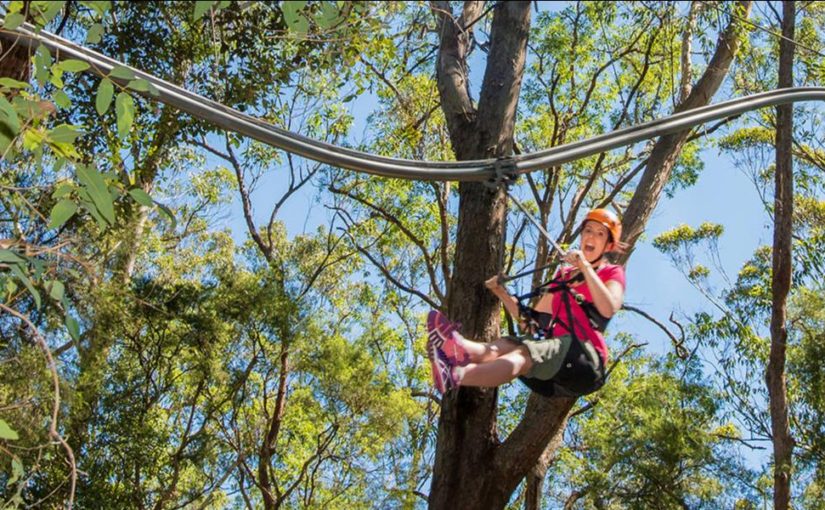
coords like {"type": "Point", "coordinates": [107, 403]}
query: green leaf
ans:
{"type": "Point", "coordinates": [16, 271]}
{"type": "Point", "coordinates": [95, 34]}
{"type": "Point", "coordinates": [99, 6]}
{"type": "Point", "coordinates": [52, 9]}
{"type": "Point", "coordinates": [63, 189]}
{"type": "Point", "coordinates": [328, 16]}
{"type": "Point", "coordinates": [61, 212]}
{"type": "Point", "coordinates": [17, 473]}
{"type": "Point", "coordinates": [96, 187]}
{"type": "Point", "coordinates": [9, 257]}
{"type": "Point", "coordinates": [201, 8]}
{"type": "Point", "coordinates": [56, 289]}
{"type": "Point", "coordinates": [169, 214]}
{"type": "Point", "coordinates": [141, 197]}
{"type": "Point", "coordinates": [73, 327]}
{"type": "Point", "coordinates": [139, 85]}
{"type": "Point", "coordinates": [73, 66]}
{"type": "Point", "coordinates": [125, 108]}
{"type": "Point", "coordinates": [42, 63]}
{"type": "Point", "coordinates": [16, 6]}
{"type": "Point", "coordinates": [9, 123]}
{"type": "Point", "coordinates": [33, 139]}
{"type": "Point", "coordinates": [7, 432]}
{"type": "Point", "coordinates": [12, 83]}
{"type": "Point", "coordinates": [64, 133]}
{"type": "Point", "coordinates": [292, 16]}
{"type": "Point", "coordinates": [13, 21]}
{"type": "Point", "coordinates": [105, 92]}
{"type": "Point", "coordinates": [62, 100]}
{"type": "Point", "coordinates": [56, 78]}
{"type": "Point", "coordinates": [124, 73]}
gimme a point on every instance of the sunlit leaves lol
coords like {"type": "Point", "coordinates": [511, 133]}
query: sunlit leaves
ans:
{"type": "Point", "coordinates": [6, 432]}
{"type": "Point", "coordinates": [74, 66]}
{"type": "Point", "coordinates": [684, 235]}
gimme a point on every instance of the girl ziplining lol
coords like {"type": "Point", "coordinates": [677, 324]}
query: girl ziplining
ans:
{"type": "Point", "coordinates": [562, 351]}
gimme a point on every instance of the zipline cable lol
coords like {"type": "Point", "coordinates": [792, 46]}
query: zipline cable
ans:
{"type": "Point", "coordinates": [537, 224]}
{"type": "Point", "coordinates": [475, 170]}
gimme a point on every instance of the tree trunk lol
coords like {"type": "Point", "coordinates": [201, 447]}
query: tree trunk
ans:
{"type": "Point", "coordinates": [535, 479]}
{"type": "Point", "coordinates": [781, 279]}
{"type": "Point", "coordinates": [15, 62]}
{"type": "Point", "coordinates": [467, 435]}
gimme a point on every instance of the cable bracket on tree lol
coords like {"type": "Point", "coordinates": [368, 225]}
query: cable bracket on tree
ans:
{"type": "Point", "coordinates": [505, 174]}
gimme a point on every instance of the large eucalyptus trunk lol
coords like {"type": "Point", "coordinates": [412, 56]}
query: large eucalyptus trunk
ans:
{"type": "Point", "coordinates": [781, 278]}
{"type": "Point", "coordinates": [467, 436]}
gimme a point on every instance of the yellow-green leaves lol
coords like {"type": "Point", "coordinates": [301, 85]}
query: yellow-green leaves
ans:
{"type": "Point", "coordinates": [686, 235]}
{"type": "Point", "coordinates": [7, 432]}
{"type": "Point", "coordinates": [13, 21]}
{"type": "Point", "coordinates": [123, 73]}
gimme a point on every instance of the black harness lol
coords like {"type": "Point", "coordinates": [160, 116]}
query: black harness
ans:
{"type": "Point", "coordinates": [579, 374]}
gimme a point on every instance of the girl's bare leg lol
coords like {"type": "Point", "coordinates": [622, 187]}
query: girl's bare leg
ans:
{"type": "Point", "coordinates": [482, 352]}
{"type": "Point", "coordinates": [499, 370]}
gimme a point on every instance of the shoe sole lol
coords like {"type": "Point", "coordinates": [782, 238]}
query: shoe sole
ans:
{"type": "Point", "coordinates": [435, 368]}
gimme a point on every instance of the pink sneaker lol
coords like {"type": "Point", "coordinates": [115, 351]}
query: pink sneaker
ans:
{"type": "Point", "coordinates": [442, 371]}
{"type": "Point", "coordinates": [444, 337]}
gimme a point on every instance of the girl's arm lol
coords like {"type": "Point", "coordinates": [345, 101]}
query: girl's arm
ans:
{"type": "Point", "coordinates": [510, 303]}
{"type": "Point", "coordinates": [607, 296]}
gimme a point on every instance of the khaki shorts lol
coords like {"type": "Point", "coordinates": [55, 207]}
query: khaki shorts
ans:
{"type": "Point", "coordinates": [547, 354]}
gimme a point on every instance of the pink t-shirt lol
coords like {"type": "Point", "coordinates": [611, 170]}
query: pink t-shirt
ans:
{"type": "Point", "coordinates": [584, 331]}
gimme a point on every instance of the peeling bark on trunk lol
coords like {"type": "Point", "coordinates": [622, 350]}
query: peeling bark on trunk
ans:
{"type": "Point", "coordinates": [781, 280]}
{"type": "Point", "coordinates": [687, 36]}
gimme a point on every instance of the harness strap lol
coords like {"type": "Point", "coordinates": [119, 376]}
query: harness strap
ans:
{"type": "Point", "coordinates": [597, 321]}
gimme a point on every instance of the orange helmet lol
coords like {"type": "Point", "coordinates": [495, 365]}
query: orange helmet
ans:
{"type": "Point", "coordinates": [609, 220]}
